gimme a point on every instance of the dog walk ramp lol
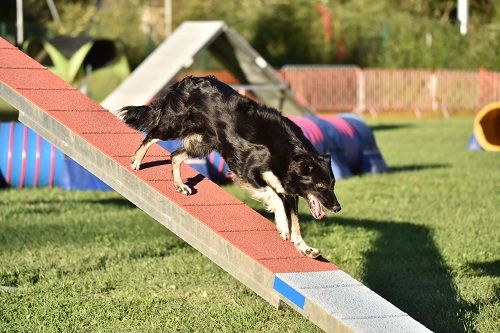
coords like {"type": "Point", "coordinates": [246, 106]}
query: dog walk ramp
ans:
{"type": "Point", "coordinates": [178, 51]}
{"type": "Point", "coordinates": [224, 229]}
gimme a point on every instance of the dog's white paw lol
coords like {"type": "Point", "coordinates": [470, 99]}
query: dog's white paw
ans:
{"type": "Point", "coordinates": [135, 165]}
{"type": "Point", "coordinates": [311, 252]}
{"type": "Point", "coordinates": [306, 250]}
{"type": "Point", "coordinates": [284, 234]}
{"type": "Point", "coordinates": [282, 226]}
{"type": "Point", "coordinates": [183, 188]}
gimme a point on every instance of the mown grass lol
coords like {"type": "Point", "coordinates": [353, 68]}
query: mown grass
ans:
{"type": "Point", "coordinates": [425, 236]}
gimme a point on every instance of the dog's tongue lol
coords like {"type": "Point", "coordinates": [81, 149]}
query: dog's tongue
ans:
{"type": "Point", "coordinates": [315, 206]}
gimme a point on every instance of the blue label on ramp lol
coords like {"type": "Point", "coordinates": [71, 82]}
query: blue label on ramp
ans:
{"type": "Point", "coordinates": [291, 294]}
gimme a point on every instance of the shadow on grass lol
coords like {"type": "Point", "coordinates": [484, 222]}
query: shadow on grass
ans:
{"type": "Point", "coordinates": [100, 260]}
{"type": "Point", "coordinates": [405, 267]}
{"type": "Point", "coordinates": [85, 246]}
{"type": "Point", "coordinates": [34, 236]}
{"type": "Point", "coordinates": [42, 206]}
{"type": "Point", "coordinates": [489, 268]}
{"type": "Point", "coordinates": [385, 127]}
{"type": "Point", "coordinates": [417, 167]}
{"type": "Point", "coordinates": [115, 202]}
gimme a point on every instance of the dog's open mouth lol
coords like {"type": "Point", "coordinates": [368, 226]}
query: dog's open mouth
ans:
{"type": "Point", "coordinates": [315, 206]}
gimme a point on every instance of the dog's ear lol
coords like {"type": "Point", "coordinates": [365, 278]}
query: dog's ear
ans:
{"type": "Point", "coordinates": [302, 163]}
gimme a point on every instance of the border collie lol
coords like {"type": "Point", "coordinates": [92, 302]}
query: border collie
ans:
{"type": "Point", "coordinates": [266, 152]}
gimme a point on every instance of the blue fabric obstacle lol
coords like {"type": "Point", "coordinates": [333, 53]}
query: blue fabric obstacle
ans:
{"type": "Point", "coordinates": [76, 177]}
{"type": "Point", "coordinates": [346, 138]}
{"type": "Point", "coordinates": [27, 160]}
{"type": "Point", "coordinates": [212, 166]}
{"type": "Point", "coordinates": [349, 141]}
{"type": "Point", "coordinates": [371, 158]}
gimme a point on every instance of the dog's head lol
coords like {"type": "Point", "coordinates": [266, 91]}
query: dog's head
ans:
{"type": "Point", "coordinates": [313, 179]}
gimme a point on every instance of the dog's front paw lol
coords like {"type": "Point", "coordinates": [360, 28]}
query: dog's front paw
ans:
{"type": "Point", "coordinates": [311, 252]}
{"type": "Point", "coordinates": [308, 251]}
{"type": "Point", "coordinates": [183, 188]}
{"type": "Point", "coordinates": [284, 234]}
{"type": "Point", "coordinates": [282, 227]}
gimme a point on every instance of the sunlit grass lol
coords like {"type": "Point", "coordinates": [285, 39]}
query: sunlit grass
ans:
{"type": "Point", "coordinates": [425, 236]}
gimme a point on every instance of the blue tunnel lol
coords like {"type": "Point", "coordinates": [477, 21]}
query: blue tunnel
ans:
{"type": "Point", "coordinates": [346, 138]}
{"type": "Point", "coordinates": [27, 160]}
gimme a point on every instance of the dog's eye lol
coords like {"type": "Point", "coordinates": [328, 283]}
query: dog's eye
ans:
{"type": "Point", "coordinates": [320, 185]}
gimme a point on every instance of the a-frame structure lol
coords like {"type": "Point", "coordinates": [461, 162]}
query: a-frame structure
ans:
{"type": "Point", "coordinates": [178, 51]}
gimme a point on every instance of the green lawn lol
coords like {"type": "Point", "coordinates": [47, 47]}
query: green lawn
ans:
{"type": "Point", "coordinates": [425, 236]}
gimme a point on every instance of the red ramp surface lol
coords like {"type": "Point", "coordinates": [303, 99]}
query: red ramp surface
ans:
{"type": "Point", "coordinates": [220, 226]}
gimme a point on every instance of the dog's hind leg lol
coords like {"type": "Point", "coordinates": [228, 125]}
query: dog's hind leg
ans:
{"type": "Point", "coordinates": [179, 156]}
{"type": "Point", "coordinates": [291, 205]}
{"type": "Point", "coordinates": [194, 145]}
{"type": "Point", "coordinates": [136, 159]}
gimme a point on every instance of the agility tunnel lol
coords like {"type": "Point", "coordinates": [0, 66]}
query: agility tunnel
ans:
{"type": "Point", "coordinates": [212, 166]}
{"type": "Point", "coordinates": [486, 135]}
{"type": "Point", "coordinates": [346, 138]}
{"type": "Point", "coordinates": [27, 160]}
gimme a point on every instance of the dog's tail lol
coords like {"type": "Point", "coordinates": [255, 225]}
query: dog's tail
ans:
{"type": "Point", "coordinates": [141, 118]}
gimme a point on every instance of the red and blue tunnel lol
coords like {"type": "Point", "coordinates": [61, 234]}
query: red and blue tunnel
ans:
{"type": "Point", "coordinates": [27, 160]}
{"type": "Point", "coordinates": [346, 138]}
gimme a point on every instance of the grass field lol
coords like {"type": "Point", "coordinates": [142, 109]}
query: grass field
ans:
{"type": "Point", "coordinates": [425, 236]}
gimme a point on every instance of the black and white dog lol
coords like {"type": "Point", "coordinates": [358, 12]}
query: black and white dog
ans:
{"type": "Point", "coordinates": [266, 152]}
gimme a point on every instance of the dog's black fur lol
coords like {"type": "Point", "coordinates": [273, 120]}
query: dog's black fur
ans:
{"type": "Point", "coordinates": [263, 149]}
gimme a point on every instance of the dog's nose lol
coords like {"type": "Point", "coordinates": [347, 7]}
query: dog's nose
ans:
{"type": "Point", "coordinates": [336, 208]}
